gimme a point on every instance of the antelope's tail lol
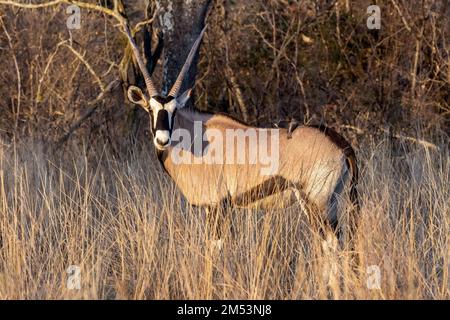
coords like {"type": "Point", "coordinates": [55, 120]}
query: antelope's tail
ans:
{"type": "Point", "coordinates": [353, 166]}
{"type": "Point", "coordinates": [355, 211]}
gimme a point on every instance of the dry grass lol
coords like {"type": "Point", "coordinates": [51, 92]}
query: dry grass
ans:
{"type": "Point", "coordinates": [126, 226]}
{"type": "Point", "coordinates": [124, 223]}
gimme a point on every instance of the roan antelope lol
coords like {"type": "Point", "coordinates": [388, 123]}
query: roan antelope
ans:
{"type": "Point", "coordinates": [314, 164]}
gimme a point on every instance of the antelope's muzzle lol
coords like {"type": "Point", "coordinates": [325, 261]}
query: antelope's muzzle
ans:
{"type": "Point", "coordinates": [162, 130]}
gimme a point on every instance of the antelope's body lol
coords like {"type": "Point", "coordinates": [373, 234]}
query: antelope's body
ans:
{"type": "Point", "coordinates": [314, 164]}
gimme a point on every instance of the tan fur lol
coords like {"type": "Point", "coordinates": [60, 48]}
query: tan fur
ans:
{"type": "Point", "coordinates": [309, 161]}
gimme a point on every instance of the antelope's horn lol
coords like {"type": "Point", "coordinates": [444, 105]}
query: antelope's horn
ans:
{"type": "Point", "coordinates": [177, 85]}
{"type": "Point", "coordinates": [148, 82]}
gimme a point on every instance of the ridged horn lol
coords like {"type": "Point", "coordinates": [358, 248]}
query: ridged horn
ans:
{"type": "Point", "coordinates": [148, 82]}
{"type": "Point", "coordinates": [177, 85]}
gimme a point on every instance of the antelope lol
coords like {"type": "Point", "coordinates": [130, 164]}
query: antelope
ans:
{"type": "Point", "coordinates": [314, 164]}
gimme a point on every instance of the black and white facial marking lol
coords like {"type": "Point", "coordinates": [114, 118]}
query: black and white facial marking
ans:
{"type": "Point", "coordinates": [163, 112]}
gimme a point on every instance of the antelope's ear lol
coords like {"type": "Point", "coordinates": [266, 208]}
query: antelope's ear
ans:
{"type": "Point", "coordinates": [183, 98]}
{"type": "Point", "coordinates": [136, 96]}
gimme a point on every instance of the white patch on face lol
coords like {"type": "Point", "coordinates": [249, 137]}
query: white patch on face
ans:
{"type": "Point", "coordinates": [171, 106]}
{"type": "Point", "coordinates": [162, 136]}
{"type": "Point", "coordinates": [155, 106]}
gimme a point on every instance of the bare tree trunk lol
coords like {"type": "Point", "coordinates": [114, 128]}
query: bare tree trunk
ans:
{"type": "Point", "coordinates": [181, 21]}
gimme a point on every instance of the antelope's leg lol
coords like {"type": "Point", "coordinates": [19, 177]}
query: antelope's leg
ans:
{"type": "Point", "coordinates": [328, 255]}
{"type": "Point", "coordinates": [213, 228]}
{"type": "Point", "coordinates": [212, 223]}
{"type": "Point", "coordinates": [317, 217]}
{"type": "Point", "coordinates": [216, 223]}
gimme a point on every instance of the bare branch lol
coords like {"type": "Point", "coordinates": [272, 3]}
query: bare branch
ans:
{"type": "Point", "coordinates": [406, 24]}
{"type": "Point", "coordinates": [113, 13]}
{"type": "Point", "coordinates": [237, 91]}
{"type": "Point", "coordinates": [422, 142]}
{"type": "Point", "coordinates": [81, 4]}
{"type": "Point", "coordinates": [31, 5]}
{"type": "Point", "coordinates": [86, 63]}
{"type": "Point", "coordinates": [142, 24]}
{"type": "Point", "coordinates": [47, 67]}
{"type": "Point", "coordinates": [16, 65]}
{"type": "Point", "coordinates": [94, 105]}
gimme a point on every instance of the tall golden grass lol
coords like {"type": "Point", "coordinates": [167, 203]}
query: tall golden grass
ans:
{"type": "Point", "coordinates": [126, 226]}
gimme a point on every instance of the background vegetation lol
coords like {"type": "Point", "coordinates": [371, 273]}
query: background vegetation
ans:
{"type": "Point", "coordinates": [79, 184]}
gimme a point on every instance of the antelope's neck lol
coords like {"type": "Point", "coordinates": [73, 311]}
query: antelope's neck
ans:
{"type": "Point", "coordinates": [185, 119]}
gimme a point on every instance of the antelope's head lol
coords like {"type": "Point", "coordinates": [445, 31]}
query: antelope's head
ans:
{"type": "Point", "coordinates": [161, 109]}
